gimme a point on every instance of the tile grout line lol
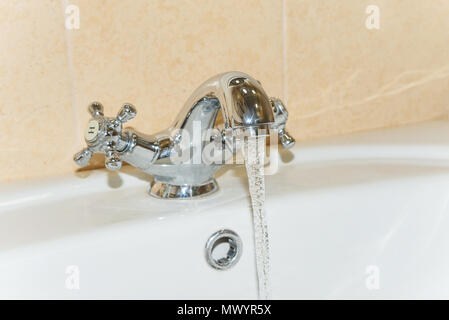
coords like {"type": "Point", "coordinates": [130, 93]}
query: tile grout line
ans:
{"type": "Point", "coordinates": [284, 50]}
{"type": "Point", "coordinates": [64, 4]}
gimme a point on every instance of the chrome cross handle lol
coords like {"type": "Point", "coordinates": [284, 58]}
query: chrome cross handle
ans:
{"type": "Point", "coordinates": [280, 120]}
{"type": "Point", "coordinates": [103, 135]}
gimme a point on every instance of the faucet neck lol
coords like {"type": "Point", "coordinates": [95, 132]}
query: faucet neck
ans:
{"type": "Point", "coordinates": [241, 98]}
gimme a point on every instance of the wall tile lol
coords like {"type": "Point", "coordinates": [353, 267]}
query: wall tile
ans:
{"type": "Point", "coordinates": [342, 77]}
{"type": "Point", "coordinates": [37, 131]}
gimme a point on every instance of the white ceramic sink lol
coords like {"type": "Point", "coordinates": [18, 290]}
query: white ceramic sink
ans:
{"type": "Point", "coordinates": [358, 216]}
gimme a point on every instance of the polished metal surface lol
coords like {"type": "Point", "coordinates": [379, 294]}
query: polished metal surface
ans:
{"type": "Point", "coordinates": [242, 100]}
{"type": "Point", "coordinates": [281, 116]}
{"type": "Point", "coordinates": [103, 135]}
{"type": "Point", "coordinates": [184, 158]}
{"type": "Point", "coordinates": [170, 191]}
{"type": "Point", "coordinates": [233, 253]}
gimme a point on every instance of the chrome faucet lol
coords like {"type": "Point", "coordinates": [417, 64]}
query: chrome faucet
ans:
{"type": "Point", "coordinates": [244, 108]}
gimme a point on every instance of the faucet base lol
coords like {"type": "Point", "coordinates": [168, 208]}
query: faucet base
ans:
{"type": "Point", "coordinates": [164, 190]}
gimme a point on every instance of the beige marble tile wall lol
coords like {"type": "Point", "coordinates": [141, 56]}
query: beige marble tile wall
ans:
{"type": "Point", "coordinates": [336, 75]}
{"type": "Point", "coordinates": [342, 77]}
{"type": "Point", "coordinates": [37, 128]}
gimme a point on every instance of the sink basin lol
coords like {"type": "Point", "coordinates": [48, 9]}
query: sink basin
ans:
{"type": "Point", "coordinates": [359, 216]}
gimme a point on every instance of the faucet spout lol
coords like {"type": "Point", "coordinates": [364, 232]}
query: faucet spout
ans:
{"type": "Point", "coordinates": [241, 99]}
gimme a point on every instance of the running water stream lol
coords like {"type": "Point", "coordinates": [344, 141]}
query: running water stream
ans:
{"type": "Point", "coordinates": [254, 154]}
